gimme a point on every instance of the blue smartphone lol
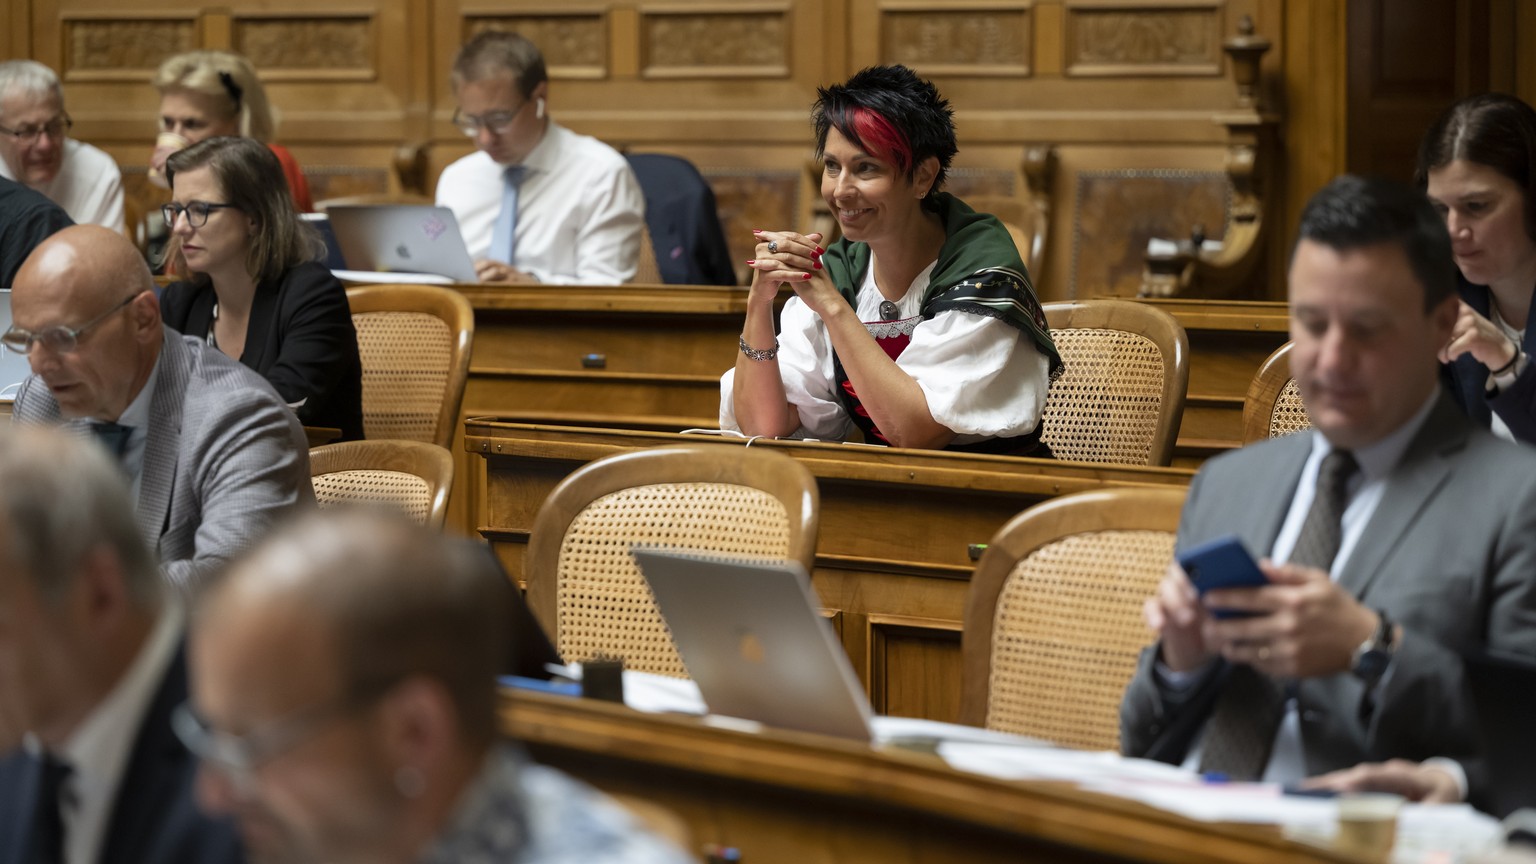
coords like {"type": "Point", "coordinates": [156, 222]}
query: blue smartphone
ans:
{"type": "Point", "coordinates": [1222, 563]}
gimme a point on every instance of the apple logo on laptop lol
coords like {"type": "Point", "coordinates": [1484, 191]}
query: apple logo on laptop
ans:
{"type": "Point", "coordinates": [752, 648]}
{"type": "Point", "coordinates": [403, 251]}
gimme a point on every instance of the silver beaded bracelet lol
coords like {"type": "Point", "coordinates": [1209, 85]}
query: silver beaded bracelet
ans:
{"type": "Point", "coordinates": [759, 353]}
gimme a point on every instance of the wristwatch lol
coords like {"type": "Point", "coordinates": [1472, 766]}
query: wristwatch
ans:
{"type": "Point", "coordinates": [1375, 654]}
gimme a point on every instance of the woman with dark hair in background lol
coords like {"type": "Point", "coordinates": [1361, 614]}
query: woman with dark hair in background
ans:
{"type": "Point", "coordinates": [1477, 163]}
{"type": "Point", "coordinates": [920, 325]}
{"type": "Point", "coordinates": [255, 289]}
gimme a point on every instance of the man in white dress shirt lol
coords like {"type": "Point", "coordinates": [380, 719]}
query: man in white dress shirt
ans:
{"type": "Point", "coordinates": [537, 202]}
{"type": "Point", "coordinates": [36, 150]}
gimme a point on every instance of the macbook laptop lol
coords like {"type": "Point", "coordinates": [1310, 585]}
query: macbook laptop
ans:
{"type": "Point", "coordinates": [752, 638]}
{"type": "Point", "coordinates": [13, 367]}
{"type": "Point", "coordinates": [403, 238]}
{"type": "Point", "coordinates": [1504, 694]}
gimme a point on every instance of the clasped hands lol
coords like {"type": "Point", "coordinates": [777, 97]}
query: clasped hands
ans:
{"type": "Point", "coordinates": [1304, 625]}
{"type": "Point", "coordinates": [1476, 335]}
{"type": "Point", "coordinates": [785, 257]}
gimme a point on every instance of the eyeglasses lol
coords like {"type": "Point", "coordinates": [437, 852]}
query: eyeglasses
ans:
{"type": "Point", "coordinates": [29, 134]}
{"type": "Point", "coordinates": [496, 122]}
{"type": "Point", "coordinates": [197, 212]}
{"type": "Point", "coordinates": [238, 756]}
{"type": "Point", "coordinates": [58, 339]}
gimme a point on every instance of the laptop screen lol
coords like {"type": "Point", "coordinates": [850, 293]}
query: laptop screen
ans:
{"type": "Point", "coordinates": [13, 367]}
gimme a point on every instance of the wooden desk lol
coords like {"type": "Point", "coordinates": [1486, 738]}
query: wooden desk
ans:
{"type": "Point", "coordinates": [1228, 342]}
{"type": "Point", "coordinates": [632, 356]}
{"type": "Point", "coordinates": [789, 797]}
{"type": "Point", "coordinates": [650, 357]}
{"type": "Point", "coordinates": [893, 560]}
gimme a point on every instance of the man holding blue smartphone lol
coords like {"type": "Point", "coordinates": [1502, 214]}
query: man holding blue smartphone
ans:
{"type": "Point", "coordinates": [1395, 536]}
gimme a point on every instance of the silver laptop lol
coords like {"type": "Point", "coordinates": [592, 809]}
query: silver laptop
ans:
{"type": "Point", "coordinates": [402, 238]}
{"type": "Point", "coordinates": [14, 368]}
{"type": "Point", "coordinates": [751, 637]}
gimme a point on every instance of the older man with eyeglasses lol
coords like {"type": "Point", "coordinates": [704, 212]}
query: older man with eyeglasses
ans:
{"type": "Point", "coordinates": [344, 704]}
{"type": "Point", "coordinates": [538, 202]}
{"type": "Point", "coordinates": [36, 150]}
{"type": "Point", "coordinates": [212, 453]}
{"type": "Point", "coordinates": [91, 669]}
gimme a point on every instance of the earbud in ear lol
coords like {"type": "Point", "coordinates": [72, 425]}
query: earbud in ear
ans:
{"type": "Point", "coordinates": [538, 108]}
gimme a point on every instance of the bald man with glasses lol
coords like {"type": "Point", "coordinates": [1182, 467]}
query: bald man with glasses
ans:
{"type": "Point", "coordinates": [212, 453]}
{"type": "Point", "coordinates": [537, 202]}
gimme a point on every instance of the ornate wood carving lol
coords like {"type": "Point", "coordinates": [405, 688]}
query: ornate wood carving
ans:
{"type": "Point", "coordinates": [306, 43]}
{"type": "Point", "coordinates": [1140, 41]}
{"type": "Point", "coordinates": [123, 45]}
{"type": "Point", "coordinates": [748, 199]}
{"type": "Point", "coordinates": [715, 44]}
{"type": "Point", "coordinates": [970, 41]}
{"type": "Point", "coordinates": [574, 45]}
{"type": "Point", "coordinates": [1119, 211]}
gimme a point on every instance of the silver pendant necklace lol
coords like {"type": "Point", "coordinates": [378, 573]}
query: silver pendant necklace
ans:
{"type": "Point", "coordinates": [889, 311]}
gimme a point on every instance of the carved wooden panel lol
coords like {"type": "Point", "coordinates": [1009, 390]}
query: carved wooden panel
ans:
{"type": "Point", "coordinates": [303, 43]}
{"type": "Point", "coordinates": [914, 667]}
{"type": "Point", "coordinates": [340, 182]}
{"type": "Point", "coordinates": [748, 199]}
{"type": "Point", "coordinates": [1134, 40]}
{"type": "Point", "coordinates": [968, 183]}
{"type": "Point", "coordinates": [1119, 211]}
{"type": "Point", "coordinates": [752, 42]}
{"type": "Point", "coordinates": [107, 48]}
{"type": "Point", "coordinates": [956, 39]}
{"type": "Point", "coordinates": [575, 45]}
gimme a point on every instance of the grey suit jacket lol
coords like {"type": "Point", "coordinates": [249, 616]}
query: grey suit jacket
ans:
{"type": "Point", "coordinates": [1450, 553]}
{"type": "Point", "coordinates": [224, 458]}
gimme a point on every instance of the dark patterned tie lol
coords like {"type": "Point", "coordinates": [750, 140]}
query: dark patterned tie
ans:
{"type": "Point", "coordinates": [47, 815]}
{"type": "Point", "coordinates": [1251, 705]}
{"type": "Point", "coordinates": [113, 436]}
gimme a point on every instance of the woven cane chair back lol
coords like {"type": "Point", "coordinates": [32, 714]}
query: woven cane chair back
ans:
{"type": "Point", "coordinates": [583, 583]}
{"type": "Point", "coordinates": [414, 342]}
{"type": "Point", "coordinates": [1053, 620]}
{"type": "Point", "coordinates": [647, 271]}
{"type": "Point", "coordinates": [1121, 396]}
{"type": "Point", "coordinates": [412, 477]}
{"type": "Point", "coordinates": [1273, 405]}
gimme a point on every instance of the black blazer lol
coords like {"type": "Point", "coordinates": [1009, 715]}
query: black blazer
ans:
{"type": "Point", "coordinates": [155, 819]}
{"type": "Point", "coordinates": [300, 338]}
{"type": "Point", "coordinates": [685, 226]}
{"type": "Point", "coordinates": [1465, 378]}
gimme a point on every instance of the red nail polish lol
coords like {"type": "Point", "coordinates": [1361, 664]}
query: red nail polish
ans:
{"type": "Point", "coordinates": [807, 276]}
{"type": "Point", "coordinates": [817, 265]}
{"type": "Point", "coordinates": [820, 251]}
{"type": "Point", "coordinates": [757, 230]}
{"type": "Point", "coordinates": [751, 261]}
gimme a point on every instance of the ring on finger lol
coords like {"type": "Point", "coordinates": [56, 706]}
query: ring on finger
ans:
{"type": "Point", "coordinates": [773, 246]}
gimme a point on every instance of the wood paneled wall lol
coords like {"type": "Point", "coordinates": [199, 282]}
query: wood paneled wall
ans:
{"type": "Point", "coordinates": [1126, 92]}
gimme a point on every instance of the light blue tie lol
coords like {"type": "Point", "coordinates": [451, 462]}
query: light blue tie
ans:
{"type": "Point", "coordinates": [504, 235]}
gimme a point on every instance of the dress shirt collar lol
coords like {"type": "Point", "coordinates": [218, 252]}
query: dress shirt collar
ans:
{"type": "Point", "coordinates": [99, 748]}
{"type": "Point", "coordinates": [1377, 460]}
{"type": "Point", "coordinates": [542, 158]}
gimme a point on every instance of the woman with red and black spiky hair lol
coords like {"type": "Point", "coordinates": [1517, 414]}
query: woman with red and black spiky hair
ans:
{"type": "Point", "coordinates": [920, 325]}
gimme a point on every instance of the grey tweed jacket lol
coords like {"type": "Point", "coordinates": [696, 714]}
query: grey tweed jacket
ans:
{"type": "Point", "coordinates": [224, 458]}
